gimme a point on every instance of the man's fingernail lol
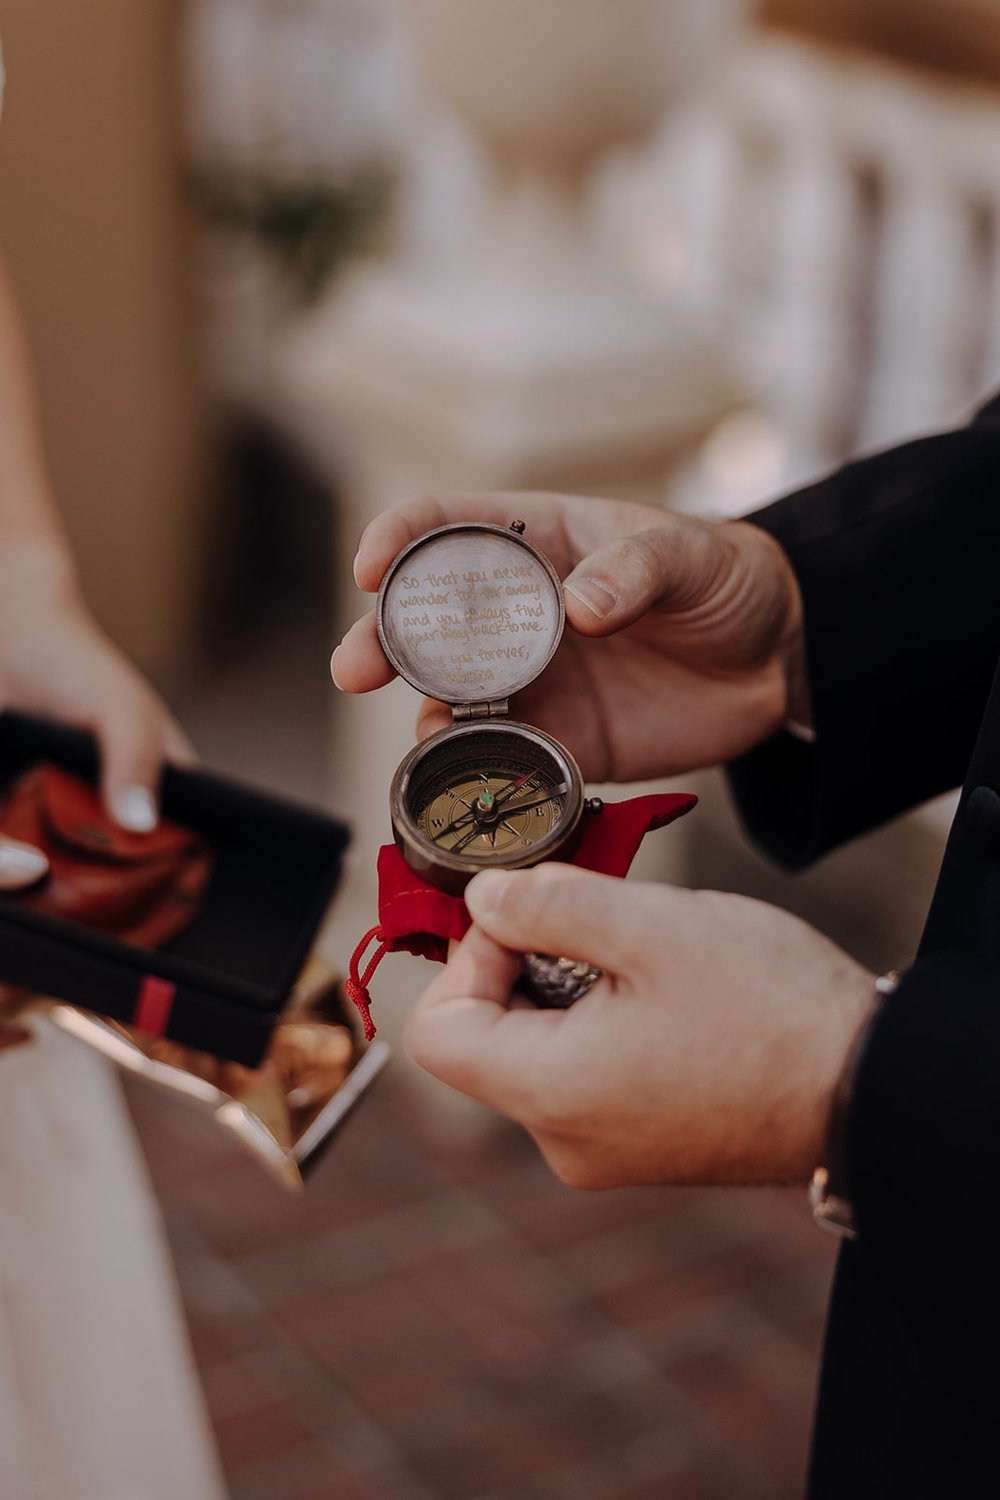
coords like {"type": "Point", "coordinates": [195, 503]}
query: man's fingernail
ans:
{"type": "Point", "coordinates": [354, 569]}
{"type": "Point", "coordinates": [20, 865]}
{"type": "Point", "coordinates": [134, 808]}
{"type": "Point", "coordinates": [598, 598]}
{"type": "Point", "coordinates": [484, 892]}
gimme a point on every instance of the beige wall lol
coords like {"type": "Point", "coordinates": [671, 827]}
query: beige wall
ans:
{"type": "Point", "coordinates": [91, 225]}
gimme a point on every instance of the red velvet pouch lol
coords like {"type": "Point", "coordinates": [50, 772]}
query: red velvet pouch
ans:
{"type": "Point", "coordinates": [414, 917]}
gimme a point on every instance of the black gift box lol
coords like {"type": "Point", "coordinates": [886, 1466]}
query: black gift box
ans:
{"type": "Point", "coordinates": [227, 977]}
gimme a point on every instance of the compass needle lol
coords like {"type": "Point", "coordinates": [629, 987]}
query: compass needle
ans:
{"type": "Point", "coordinates": [466, 839]}
{"type": "Point", "coordinates": [520, 807]}
{"type": "Point", "coordinates": [484, 813]}
{"type": "Point", "coordinates": [514, 787]}
{"type": "Point", "coordinates": [452, 827]}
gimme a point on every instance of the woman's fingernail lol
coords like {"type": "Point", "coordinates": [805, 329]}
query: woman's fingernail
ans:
{"type": "Point", "coordinates": [598, 598]}
{"type": "Point", "coordinates": [20, 865]}
{"type": "Point", "coordinates": [333, 668]}
{"type": "Point", "coordinates": [354, 569]}
{"type": "Point", "coordinates": [484, 892]}
{"type": "Point", "coordinates": [134, 808]}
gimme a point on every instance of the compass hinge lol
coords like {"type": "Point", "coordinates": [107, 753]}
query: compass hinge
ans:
{"type": "Point", "coordinates": [498, 709]}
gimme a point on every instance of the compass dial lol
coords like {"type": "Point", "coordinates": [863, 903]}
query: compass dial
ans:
{"type": "Point", "coordinates": [494, 812]}
{"type": "Point", "coordinates": [475, 796]}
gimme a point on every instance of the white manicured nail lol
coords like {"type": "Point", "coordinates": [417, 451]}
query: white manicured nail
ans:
{"type": "Point", "coordinates": [134, 808]}
{"type": "Point", "coordinates": [20, 865]}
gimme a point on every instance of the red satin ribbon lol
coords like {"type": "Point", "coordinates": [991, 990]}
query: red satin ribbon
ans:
{"type": "Point", "coordinates": [154, 1005]}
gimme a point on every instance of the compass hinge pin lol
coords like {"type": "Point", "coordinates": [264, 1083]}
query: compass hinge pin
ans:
{"type": "Point", "coordinates": [498, 709]}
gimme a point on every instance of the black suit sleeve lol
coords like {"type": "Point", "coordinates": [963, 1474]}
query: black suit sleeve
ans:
{"type": "Point", "coordinates": [898, 559]}
{"type": "Point", "coordinates": [924, 1168]}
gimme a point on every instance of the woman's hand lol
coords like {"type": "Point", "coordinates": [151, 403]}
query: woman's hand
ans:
{"type": "Point", "coordinates": [709, 1052]}
{"type": "Point", "coordinates": [20, 865]}
{"type": "Point", "coordinates": [685, 640]}
{"type": "Point", "coordinates": [53, 658]}
{"type": "Point", "coordinates": [55, 661]}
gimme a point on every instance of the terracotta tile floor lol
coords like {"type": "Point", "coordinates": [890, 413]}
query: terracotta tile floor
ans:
{"type": "Point", "coordinates": [436, 1318]}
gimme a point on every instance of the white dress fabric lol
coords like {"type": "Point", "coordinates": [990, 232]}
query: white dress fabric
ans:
{"type": "Point", "coordinates": [98, 1394]}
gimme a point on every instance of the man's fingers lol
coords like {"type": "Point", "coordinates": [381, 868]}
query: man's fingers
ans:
{"type": "Point", "coordinates": [387, 535]}
{"type": "Point", "coordinates": [20, 865]}
{"type": "Point", "coordinates": [559, 909]}
{"type": "Point", "coordinates": [359, 664]}
{"type": "Point", "coordinates": [464, 1033]}
{"type": "Point", "coordinates": [672, 565]}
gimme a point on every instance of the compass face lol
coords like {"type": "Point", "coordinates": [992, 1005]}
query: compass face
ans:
{"type": "Point", "coordinates": [493, 813]}
{"type": "Point", "coordinates": [479, 796]}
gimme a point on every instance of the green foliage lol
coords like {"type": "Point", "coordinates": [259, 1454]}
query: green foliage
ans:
{"type": "Point", "coordinates": [311, 226]}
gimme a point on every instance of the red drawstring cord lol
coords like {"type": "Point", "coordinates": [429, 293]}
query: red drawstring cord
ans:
{"type": "Point", "coordinates": [357, 983]}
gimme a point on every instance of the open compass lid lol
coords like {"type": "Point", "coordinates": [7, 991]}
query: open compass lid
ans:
{"type": "Point", "coordinates": [470, 613]}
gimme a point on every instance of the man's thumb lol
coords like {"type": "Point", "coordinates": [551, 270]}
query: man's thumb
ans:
{"type": "Point", "coordinates": [560, 910]}
{"type": "Point", "coordinates": [673, 565]}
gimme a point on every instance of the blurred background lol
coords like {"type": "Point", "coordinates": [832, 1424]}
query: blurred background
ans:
{"type": "Point", "coordinates": [287, 261]}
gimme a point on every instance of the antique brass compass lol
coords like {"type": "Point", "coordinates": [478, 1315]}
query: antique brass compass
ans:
{"type": "Point", "coordinates": [470, 614]}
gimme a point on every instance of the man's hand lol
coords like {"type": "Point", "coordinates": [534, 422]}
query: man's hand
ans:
{"type": "Point", "coordinates": [685, 640]}
{"type": "Point", "coordinates": [709, 1053]}
{"type": "Point", "coordinates": [55, 661]}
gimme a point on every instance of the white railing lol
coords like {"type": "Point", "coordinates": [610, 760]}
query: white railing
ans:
{"type": "Point", "coordinates": [314, 84]}
{"type": "Point", "coordinates": [841, 217]}
{"type": "Point", "coordinates": [837, 217]}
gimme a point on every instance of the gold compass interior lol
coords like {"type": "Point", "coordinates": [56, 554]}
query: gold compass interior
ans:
{"type": "Point", "coordinates": [476, 794]}
{"type": "Point", "coordinates": [492, 813]}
